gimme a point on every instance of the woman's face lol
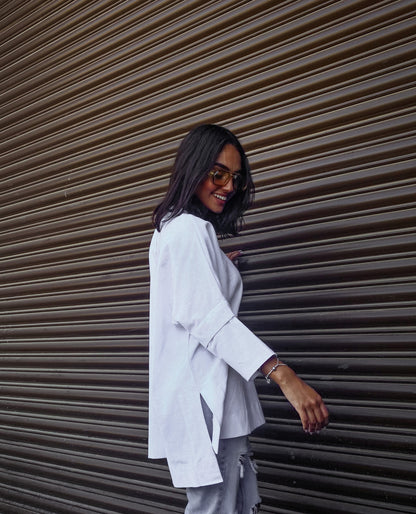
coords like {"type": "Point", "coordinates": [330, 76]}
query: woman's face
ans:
{"type": "Point", "coordinates": [215, 197]}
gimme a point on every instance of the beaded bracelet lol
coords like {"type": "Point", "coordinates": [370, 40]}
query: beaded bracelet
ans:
{"type": "Point", "coordinates": [278, 363]}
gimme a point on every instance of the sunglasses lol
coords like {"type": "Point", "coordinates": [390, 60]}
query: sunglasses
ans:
{"type": "Point", "coordinates": [221, 178]}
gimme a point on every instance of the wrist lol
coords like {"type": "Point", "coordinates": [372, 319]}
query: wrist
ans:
{"type": "Point", "coordinates": [282, 375]}
{"type": "Point", "coordinates": [271, 367]}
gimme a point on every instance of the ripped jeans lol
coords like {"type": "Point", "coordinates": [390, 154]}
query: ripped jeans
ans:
{"type": "Point", "coordinates": [238, 493]}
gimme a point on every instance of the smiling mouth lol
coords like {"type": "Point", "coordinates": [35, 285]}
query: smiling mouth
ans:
{"type": "Point", "coordinates": [220, 197]}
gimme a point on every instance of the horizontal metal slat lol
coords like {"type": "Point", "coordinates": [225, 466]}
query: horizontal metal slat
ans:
{"type": "Point", "coordinates": [51, 495]}
{"type": "Point", "coordinates": [353, 340]}
{"type": "Point", "coordinates": [353, 417]}
{"type": "Point", "coordinates": [290, 433]}
{"type": "Point", "coordinates": [142, 117]}
{"type": "Point", "coordinates": [70, 283]}
{"type": "Point", "coordinates": [305, 498]}
{"type": "Point", "coordinates": [61, 425]}
{"type": "Point", "coordinates": [380, 469]}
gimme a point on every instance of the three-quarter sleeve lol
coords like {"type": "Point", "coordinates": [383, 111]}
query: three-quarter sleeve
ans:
{"type": "Point", "coordinates": [240, 348]}
{"type": "Point", "coordinates": [198, 302]}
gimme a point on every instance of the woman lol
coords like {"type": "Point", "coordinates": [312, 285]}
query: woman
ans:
{"type": "Point", "coordinates": [203, 360]}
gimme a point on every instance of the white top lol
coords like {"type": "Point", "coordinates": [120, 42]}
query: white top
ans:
{"type": "Point", "coordinates": [198, 347]}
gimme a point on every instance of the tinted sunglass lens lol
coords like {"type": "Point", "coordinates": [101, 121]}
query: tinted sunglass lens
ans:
{"type": "Point", "coordinates": [221, 178]}
{"type": "Point", "coordinates": [237, 182]}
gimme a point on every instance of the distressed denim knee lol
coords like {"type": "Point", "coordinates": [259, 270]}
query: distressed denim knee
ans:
{"type": "Point", "coordinates": [238, 493]}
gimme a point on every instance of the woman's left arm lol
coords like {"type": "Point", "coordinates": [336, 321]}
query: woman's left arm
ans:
{"type": "Point", "coordinates": [305, 400]}
{"type": "Point", "coordinates": [191, 255]}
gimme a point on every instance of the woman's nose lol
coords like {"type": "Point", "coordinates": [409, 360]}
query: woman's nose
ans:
{"type": "Point", "coordinates": [229, 186]}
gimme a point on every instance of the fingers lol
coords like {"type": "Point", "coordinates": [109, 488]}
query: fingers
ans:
{"type": "Point", "coordinates": [325, 415]}
{"type": "Point", "coordinates": [234, 255]}
{"type": "Point", "coordinates": [315, 418]}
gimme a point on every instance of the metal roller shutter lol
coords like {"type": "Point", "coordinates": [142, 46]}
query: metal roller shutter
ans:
{"type": "Point", "coordinates": [94, 98]}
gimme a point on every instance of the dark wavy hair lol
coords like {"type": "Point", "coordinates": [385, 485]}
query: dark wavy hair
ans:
{"type": "Point", "coordinates": [196, 156]}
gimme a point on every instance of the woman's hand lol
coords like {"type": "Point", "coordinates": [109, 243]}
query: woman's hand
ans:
{"type": "Point", "coordinates": [234, 255]}
{"type": "Point", "coordinates": [306, 401]}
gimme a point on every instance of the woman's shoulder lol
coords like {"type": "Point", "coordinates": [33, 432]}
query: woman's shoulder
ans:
{"type": "Point", "coordinates": [188, 231]}
{"type": "Point", "coordinates": [186, 223]}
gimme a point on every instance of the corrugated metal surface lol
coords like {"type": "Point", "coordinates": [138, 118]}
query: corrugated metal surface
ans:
{"type": "Point", "coordinates": [94, 97]}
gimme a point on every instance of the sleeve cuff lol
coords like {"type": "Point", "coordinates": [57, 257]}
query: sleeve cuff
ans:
{"type": "Point", "coordinates": [240, 348]}
{"type": "Point", "coordinates": [213, 322]}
